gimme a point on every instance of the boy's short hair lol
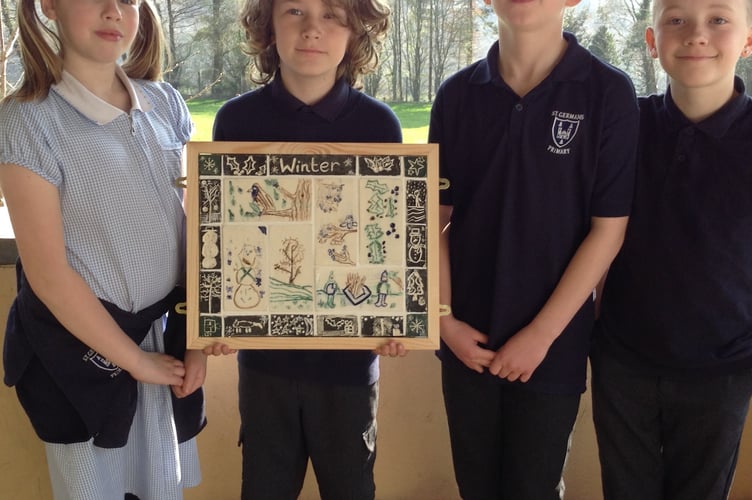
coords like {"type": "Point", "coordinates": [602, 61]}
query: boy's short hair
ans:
{"type": "Point", "coordinates": [655, 3]}
{"type": "Point", "coordinates": [367, 19]}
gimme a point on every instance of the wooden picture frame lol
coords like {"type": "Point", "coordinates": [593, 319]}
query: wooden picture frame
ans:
{"type": "Point", "coordinates": [312, 245]}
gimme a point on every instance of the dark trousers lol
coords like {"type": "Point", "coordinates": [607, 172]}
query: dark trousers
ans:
{"type": "Point", "coordinates": [285, 422]}
{"type": "Point", "coordinates": [508, 443]}
{"type": "Point", "coordinates": [666, 439]}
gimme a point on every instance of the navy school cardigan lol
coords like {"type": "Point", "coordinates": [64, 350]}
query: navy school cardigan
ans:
{"type": "Point", "coordinates": [71, 393]}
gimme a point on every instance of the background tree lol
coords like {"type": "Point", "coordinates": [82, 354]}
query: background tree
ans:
{"type": "Point", "coordinates": [576, 22]}
{"type": "Point", "coordinates": [603, 45]}
{"type": "Point", "coordinates": [396, 52]}
{"type": "Point", "coordinates": [744, 70]}
{"type": "Point", "coordinates": [450, 29]}
{"type": "Point", "coordinates": [204, 38]}
{"type": "Point", "coordinates": [179, 20]}
{"type": "Point", "coordinates": [635, 16]}
{"type": "Point", "coordinates": [217, 24]}
{"type": "Point", "coordinates": [8, 39]}
{"type": "Point", "coordinates": [415, 45]}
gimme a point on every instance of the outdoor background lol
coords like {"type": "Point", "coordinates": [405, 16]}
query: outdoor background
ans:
{"type": "Point", "coordinates": [430, 40]}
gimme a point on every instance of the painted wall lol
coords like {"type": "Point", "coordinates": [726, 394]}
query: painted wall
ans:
{"type": "Point", "coordinates": [413, 449]}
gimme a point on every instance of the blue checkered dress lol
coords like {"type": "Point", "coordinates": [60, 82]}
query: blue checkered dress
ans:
{"type": "Point", "coordinates": [123, 224]}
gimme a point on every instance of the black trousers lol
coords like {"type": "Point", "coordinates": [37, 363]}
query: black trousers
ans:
{"type": "Point", "coordinates": [666, 439]}
{"type": "Point", "coordinates": [284, 422]}
{"type": "Point", "coordinates": [508, 443]}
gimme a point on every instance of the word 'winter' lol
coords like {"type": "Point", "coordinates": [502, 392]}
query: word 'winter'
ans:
{"type": "Point", "coordinates": [297, 166]}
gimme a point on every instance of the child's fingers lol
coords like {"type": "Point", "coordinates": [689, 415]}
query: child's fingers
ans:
{"type": "Point", "coordinates": [392, 349]}
{"type": "Point", "coordinates": [218, 349]}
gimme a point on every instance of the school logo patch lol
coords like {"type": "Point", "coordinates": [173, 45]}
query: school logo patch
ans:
{"type": "Point", "coordinates": [102, 363]}
{"type": "Point", "coordinates": [563, 131]}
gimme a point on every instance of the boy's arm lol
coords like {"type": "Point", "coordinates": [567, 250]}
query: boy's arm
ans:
{"type": "Point", "coordinates": [460, 337]}
{"type": "Point", "coordinates": [521, 355]}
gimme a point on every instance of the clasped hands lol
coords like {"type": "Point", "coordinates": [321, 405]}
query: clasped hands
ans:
{"type": "Point", "coordinates": [517, 359]}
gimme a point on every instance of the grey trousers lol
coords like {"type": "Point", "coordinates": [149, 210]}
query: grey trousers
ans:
{"type": "Point", "coordinates": [666, 439]}
{"type": "Point", "coordinates": [284, 422]}
{"type": "Point", "coordinates": [508, 442]}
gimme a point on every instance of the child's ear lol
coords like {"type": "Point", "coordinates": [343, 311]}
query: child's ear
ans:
{"type": "Point", "coordinates": [571, 3]}
{"type": "Point", "coordinates": [48, 9]}
{"type": "Point", "coordinates": [747, 50]}
{"type": "Point", "coordinates": [650, 42]}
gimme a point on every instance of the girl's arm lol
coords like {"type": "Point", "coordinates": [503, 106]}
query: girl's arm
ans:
{"type": "Point", "coordinates": [520, 356]}
{"type": "Point", "coordinates": [34, 207]}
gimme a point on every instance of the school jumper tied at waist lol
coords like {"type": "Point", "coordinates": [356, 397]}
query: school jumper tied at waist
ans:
{"type": "Point", "coordinates": [60, 380]}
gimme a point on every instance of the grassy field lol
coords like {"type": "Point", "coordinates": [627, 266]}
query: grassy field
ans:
{"type": "Point", "coordinates": [413, 116]}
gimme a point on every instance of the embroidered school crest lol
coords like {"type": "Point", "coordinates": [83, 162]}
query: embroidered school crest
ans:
{"type": "Point", "coordinates": [563, 130]}
{"type": "Point", "coordinates": [102, 363]}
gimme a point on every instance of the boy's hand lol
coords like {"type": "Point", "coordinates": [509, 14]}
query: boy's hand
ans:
{"type": "Point", "coordinates": [158, 368]}
{"type": "Point", "coordinates": [195, 374]}
{"type": "Point", "coordinates": [392, 349]}
{"type": "Point", "coordinates": [463, 340]}
{"type": "Point", "coordinates": [218, 349]}
{"type": "Point", "coordinates": [521, 355]}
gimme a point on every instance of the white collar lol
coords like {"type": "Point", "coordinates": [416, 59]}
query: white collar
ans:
{"type": "Point", "coordinates": [92, 106]}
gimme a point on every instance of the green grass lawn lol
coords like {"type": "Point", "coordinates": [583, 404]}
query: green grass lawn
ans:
{"type": "Point", "coordinates": [202, 113]}
{"type": "Point", "coordinates": [413, 117]}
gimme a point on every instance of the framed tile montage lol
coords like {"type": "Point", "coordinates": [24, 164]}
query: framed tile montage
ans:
{"type": "Point", "coordinates": [312, 245]}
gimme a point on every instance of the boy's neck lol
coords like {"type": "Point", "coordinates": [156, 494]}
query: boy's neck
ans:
{"type": "Point", "coordinates": [699, 103]}
{"type": "Point", "coordinates": [526, 59]}
{"type": "Point", "coordinates": [307, 90]}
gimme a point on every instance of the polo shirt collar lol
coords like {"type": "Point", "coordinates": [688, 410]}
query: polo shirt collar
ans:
{"type": "Point", "coordinates": [717, 124]}
{"type": "Point", "coordinates": [328, 108]}
{"type": "Point", "coordinates": [574, 64]}
{"type": "Point", "coordinates": [94, 108]}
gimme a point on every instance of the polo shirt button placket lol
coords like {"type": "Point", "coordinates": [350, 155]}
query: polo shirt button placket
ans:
{"type": "Point", "coordinates": [684, 142]}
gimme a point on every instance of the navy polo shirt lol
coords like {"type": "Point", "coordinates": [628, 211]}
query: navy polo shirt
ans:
{"type": "Point", "coordinates": [678, 299]}
{"type": "Point", "coordinates": [526, 176]}
{"type": "Point", "coordinates": [271, 113]}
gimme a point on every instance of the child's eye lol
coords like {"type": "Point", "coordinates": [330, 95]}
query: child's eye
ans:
{"type": "Point", "coordinates": [718, 20]}
{"type": "Point", "coordinates": [336, 16]}
{"type": "Point", "coordinates": [295, 12]}
{"type": "Point", "coordinates": [130, 2]}
{"type": "Point", "coordinates": [675, 21]}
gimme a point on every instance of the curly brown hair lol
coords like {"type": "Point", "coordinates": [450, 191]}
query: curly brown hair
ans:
{"type": "Point", "coordinates": [367, 19]}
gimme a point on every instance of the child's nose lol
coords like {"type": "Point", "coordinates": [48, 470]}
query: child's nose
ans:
{"type": "Point", "coordinates": [112, 10]}
{"type": "Point", "coordinates": [696, 36]}
{"type": "Point", "coordinates": [312, 29]}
